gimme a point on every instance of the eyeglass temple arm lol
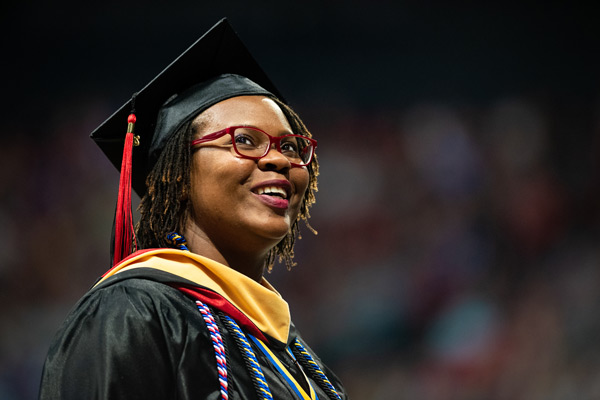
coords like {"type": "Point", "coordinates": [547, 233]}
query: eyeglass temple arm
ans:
{"type": "Point", "coordinates": [210, 137]}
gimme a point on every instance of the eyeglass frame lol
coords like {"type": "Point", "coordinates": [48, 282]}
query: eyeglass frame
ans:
{"type": "Point", "coordinates": [272, 140]}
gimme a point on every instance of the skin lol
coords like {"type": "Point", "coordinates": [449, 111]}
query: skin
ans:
{"type": "Point", "coordinates": [228, 222]}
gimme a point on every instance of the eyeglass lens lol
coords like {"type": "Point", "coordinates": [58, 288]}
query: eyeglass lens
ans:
{"type": "Point", "coordinates": [254, 143]}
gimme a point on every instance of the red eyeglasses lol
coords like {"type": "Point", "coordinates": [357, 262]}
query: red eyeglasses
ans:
{"type": "Point", "coordinates": [253, 143]}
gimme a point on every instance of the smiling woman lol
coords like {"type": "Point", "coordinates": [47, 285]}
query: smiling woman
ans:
{"type": "Point", "coordinates": [225, 178]}
{"type": "Point", "coordinates": [225, 187]}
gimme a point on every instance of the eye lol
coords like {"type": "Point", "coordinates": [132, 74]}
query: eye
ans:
{"type": "Point", "coordinates": [244, 140]}
{"type": "Point", "coordinates": [289, 146]}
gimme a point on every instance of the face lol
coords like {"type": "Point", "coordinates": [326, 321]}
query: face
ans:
{"type": "Point", "coordinates": [242, 204]}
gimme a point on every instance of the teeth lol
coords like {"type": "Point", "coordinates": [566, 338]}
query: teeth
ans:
{"type": "Point", "coordinates": [272, 190]}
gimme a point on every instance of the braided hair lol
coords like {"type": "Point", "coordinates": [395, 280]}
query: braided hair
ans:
{"type": "Point", "coordinates": [165, 206]}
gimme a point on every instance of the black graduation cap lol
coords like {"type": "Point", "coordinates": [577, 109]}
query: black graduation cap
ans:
{"type": "Point", "coordinates": [216, 67]}
{"type": "Point", "coordinates": [219, 51]}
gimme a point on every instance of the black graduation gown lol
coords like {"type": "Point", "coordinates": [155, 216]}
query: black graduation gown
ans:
{"type": "Point", "coordinates": [136, 336]}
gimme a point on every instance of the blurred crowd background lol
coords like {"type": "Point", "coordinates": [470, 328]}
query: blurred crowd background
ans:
{"type": "Point", "coordinates": [457, 255]}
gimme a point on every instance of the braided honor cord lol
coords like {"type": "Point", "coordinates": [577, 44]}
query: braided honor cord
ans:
{"type": "Point", "coordinates": [258, 378]}
{"type": "Point", "coordinates": [177, 241]}
{"type": "Point", "coordinates": [215, 335]}
{"type": "Point", "coordinates": [308, 362]}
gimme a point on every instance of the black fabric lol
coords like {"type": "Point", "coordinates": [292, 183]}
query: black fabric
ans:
{"type": "Point", "coordinates": [136, 337]}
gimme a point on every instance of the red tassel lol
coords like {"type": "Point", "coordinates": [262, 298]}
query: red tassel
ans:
{"type": "Point", "coordinates": [124, 234]}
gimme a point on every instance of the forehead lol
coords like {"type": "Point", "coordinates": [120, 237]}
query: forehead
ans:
{"type": "Point", "coordinates": [259, 111]}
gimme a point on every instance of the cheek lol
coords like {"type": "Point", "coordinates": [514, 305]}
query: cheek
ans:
{"type": "Point", "coordinates": [217, 175]}
{"type": "Point", "coordinates": [300, 177]}
{"type": "Point", "coordinates": [204, 178]}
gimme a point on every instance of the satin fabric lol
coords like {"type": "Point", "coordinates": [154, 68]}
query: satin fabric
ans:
{"type": "Point", "coordinates": [258, 301]}
{"type": "Point", "coordinates": [136, 336]}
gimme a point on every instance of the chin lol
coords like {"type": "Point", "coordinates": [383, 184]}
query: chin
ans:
{"type": "Point", "coordinates": [269, 228]}
{"type": "Point", "coordinates": [274, 234]}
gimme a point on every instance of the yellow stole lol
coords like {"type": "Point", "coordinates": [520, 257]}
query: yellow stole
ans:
{"type": "Point", "coordinates": [260, 302]}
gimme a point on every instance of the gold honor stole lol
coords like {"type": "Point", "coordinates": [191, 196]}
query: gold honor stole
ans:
{"type": "Point", "coordinates": [260, 302]}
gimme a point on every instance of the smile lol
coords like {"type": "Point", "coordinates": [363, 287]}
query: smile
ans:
{"type": "Point", "coordinates": [272, 191]}
{"type": "Point", "coordinates": [278, 188]}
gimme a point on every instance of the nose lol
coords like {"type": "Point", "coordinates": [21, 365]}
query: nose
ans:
{"type": "Point", "coordinates": [274, 160]}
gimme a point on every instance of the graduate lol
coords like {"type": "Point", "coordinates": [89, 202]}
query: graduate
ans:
{"type": "Point", "coordinates": [226, 171]}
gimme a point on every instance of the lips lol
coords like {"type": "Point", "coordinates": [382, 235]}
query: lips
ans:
{"type": "Point", "coordinates": [275, 193]}
{"type": "Point", "coordinates": [272, 191]}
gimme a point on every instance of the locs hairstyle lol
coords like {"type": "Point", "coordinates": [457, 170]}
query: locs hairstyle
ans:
{"type": "Point", "coordinates": [166, 206]}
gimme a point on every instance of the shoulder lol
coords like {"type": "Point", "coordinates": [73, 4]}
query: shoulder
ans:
{"type": "Point", "coordinates": [129, 316]}
{"type": "Point", "coordinates": [142, 285]}
{"type": "Point", "coordinates": [135, 306]}
{"type": "Point", "coordinates": [132, 299]}
{"type": "Point", "coordinates": [125, 322]}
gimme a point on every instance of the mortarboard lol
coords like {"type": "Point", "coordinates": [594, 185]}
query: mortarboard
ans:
{"type": "Point", "coordinates": [216, 67]}
{"type": "Point", "coordinates": [219, 51]}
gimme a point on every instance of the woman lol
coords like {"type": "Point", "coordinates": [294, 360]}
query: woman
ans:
{"type": "Point", "coordinates": [229, 172]}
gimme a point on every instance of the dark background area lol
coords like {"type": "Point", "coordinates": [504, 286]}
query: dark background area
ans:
{"type": "Point", "coordinates": [457, 252]}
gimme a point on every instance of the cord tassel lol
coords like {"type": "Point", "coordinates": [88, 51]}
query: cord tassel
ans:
{"type": "Point", "coordinates": [124, 235]}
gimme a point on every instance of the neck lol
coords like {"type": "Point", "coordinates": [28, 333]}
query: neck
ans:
{"type": "Point", "coordinates": [248, 263]}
